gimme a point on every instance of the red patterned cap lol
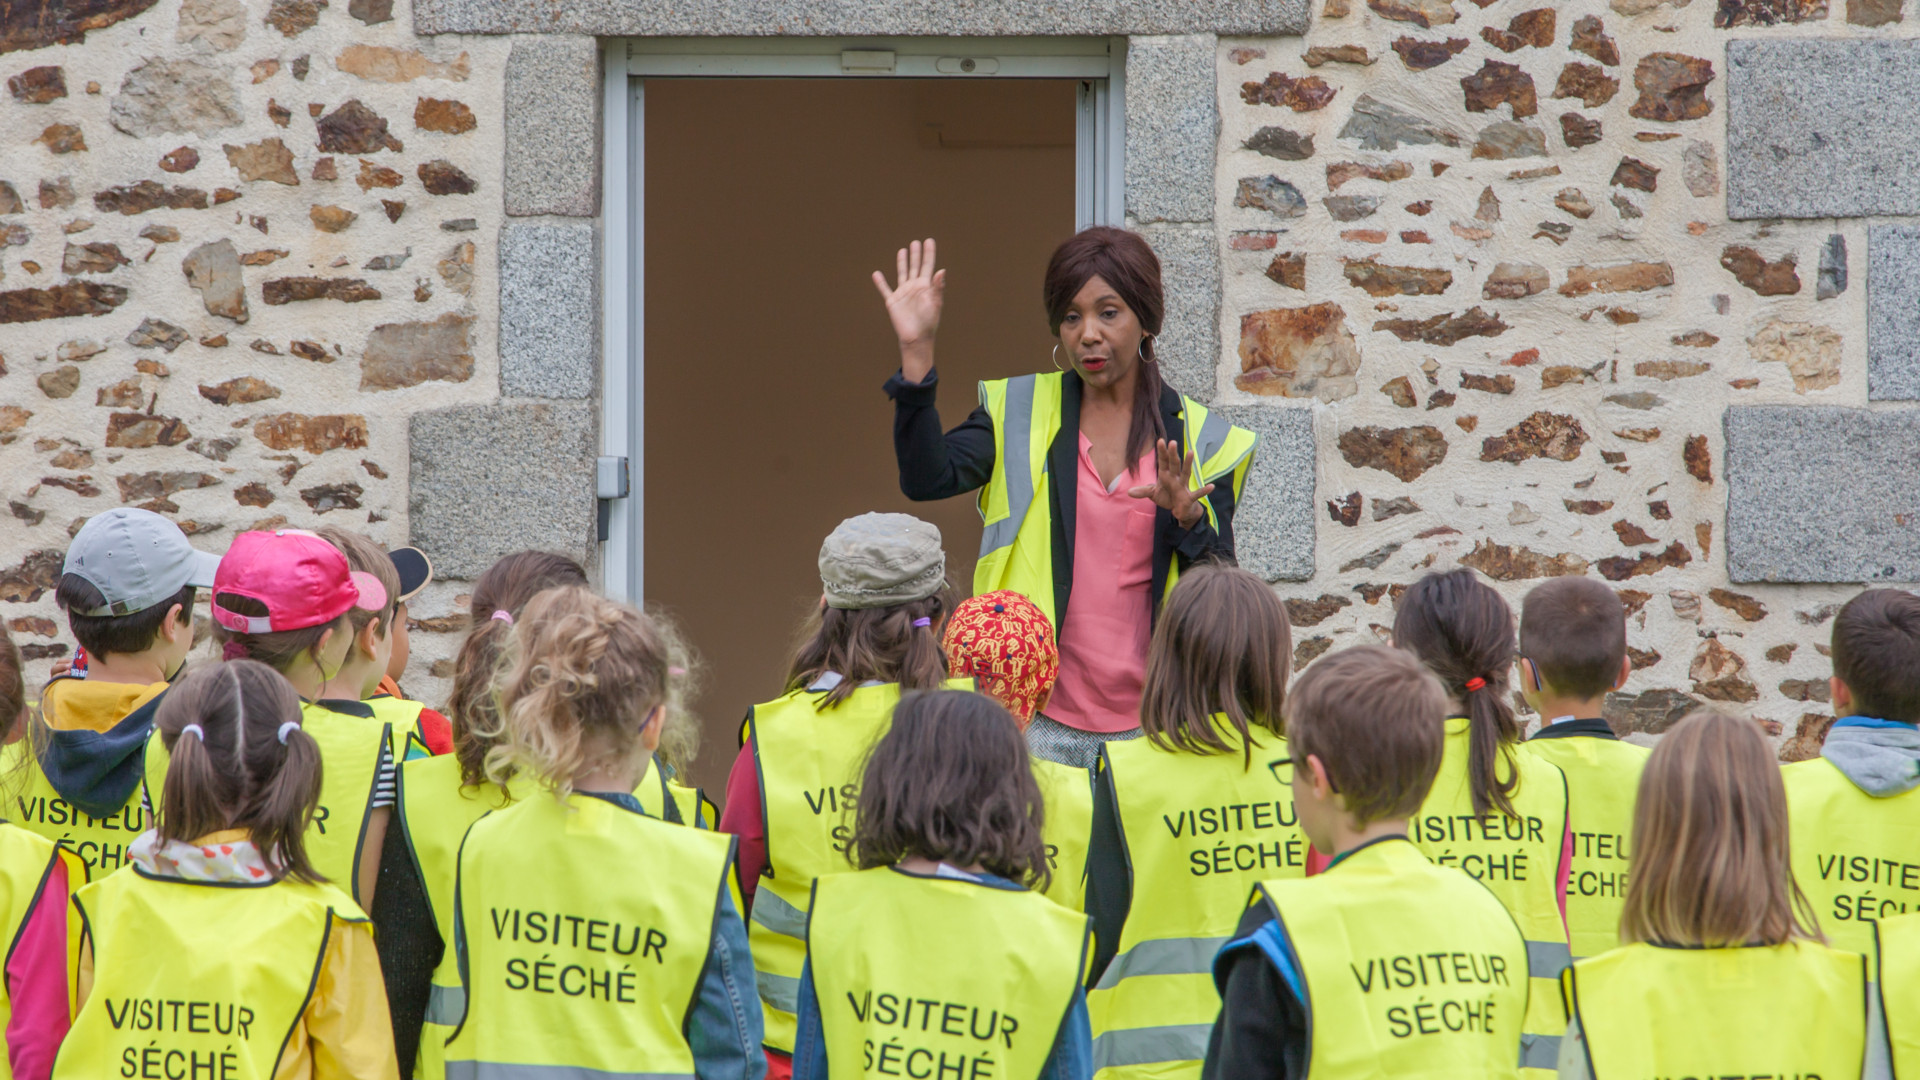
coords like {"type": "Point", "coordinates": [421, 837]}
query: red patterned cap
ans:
{"type": "Point", "coordinates": [1004, 642]}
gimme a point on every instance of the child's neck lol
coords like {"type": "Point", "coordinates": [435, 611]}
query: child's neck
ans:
{"type": "Point", "coordinates": [306, 679]}
{"type": "Point", "coordinates": [138, 669]}
{"type": "Point", "coordinates": [1553, 707]}
{"type": "Point", "coordinates": [925, 867]}
{"type": "Point", "coordinates": [610, 779]}
{"type": "Point", "coordinates": [1347, 837]}
{"type": "Point", "coordinates": [354, 682]}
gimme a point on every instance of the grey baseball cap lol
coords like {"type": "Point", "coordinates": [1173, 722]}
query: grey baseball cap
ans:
{"type": "Point", "coordinates": [137, 559]}
{"type": "Point", "coordinates": [878, 560]}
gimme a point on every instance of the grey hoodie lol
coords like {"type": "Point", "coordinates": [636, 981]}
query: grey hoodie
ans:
{"type": "Point", "coordinates": [1881, 761]}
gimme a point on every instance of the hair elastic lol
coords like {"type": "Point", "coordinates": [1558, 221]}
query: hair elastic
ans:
{"type": "Point", "coordinates": [1476, 683]}
{"type": "Point", "coordinates": [923, 621]}
{"type": "Point", "coordinates": [504, 616]}
{"type": "Point", "coordinates": [233, 650]}
{"type": "Point", "coordinates": [286, 728]}
{"type": "Point", "coordinates": [198, 732]}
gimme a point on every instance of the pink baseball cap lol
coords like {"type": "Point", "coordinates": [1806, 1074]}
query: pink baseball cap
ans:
{"type": "Point", "coordinates": [303, 581]}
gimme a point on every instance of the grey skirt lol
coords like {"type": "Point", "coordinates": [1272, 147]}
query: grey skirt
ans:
{"type": "Point", "coordinates": [1055, 741]}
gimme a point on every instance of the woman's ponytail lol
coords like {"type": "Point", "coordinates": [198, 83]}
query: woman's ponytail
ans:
{"type": "Point", "coordinates": [1462, 630]}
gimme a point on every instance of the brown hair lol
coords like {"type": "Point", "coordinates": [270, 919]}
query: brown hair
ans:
{"type": "Point", "coordinates": [1373, 716]}
{"type": "Point", "coordinates": [1876, 652]}
{"type": "Point", "coordinates": [1574, 630]}
{"type": "Point", "coordinates": [365, 555]}
{"type": "Point", "coordinates": [1462, 630]}
{"type": "Point", "coordinates": [506, 586]}
{"type": "Point", "coordinates": [582, 673]}
{"type": "Point", "coordinates": [1710, 862]}
{"type": "Point", "coordinates": [1125, 261]}
{"type": "Point", "coordinates": [278, 649]}
{"type": "Point", "coordinates": [235, 772]}
{"type": "Point", "coordinates": [951, 781]}
{"type": "Point", "coordinates": [1222, 648]}
{"type": "Point", "coordinates": [13, 685]}
{"type": "Point", "coordinates": [871, 645]}
{"type": "Point", "coordinates": [124, 634]}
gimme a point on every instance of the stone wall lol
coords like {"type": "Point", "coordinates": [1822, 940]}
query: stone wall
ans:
{"type": "Point", "coordinates": [242, 247]}
{"type": "Point", "coordinates": [1487, 245]}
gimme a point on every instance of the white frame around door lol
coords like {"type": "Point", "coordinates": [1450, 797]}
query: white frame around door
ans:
{"type": "Point", "coordinates": [1098, 63]}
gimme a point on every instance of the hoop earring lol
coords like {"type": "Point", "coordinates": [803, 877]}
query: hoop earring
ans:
{"type": "Point", "coordinates": [1056, 359]}
{"type": "Point", "coordinates": [1140, 353]}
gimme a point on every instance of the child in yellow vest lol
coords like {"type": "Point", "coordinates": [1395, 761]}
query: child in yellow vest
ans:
{"type": "Point", "coordinates": [36, 878]}
{"type": "Point", "coordinates": [1573, 649]}
{"type": "Point", "coordinates": [1494, 812]}
{"type": "Point", "coordinates": [593, 938]}
{"type": "Point", "coordinates": [128, 587]}
{"type": "Point", "coordinates": [1384, 964]}
{"type": "Point", "coordinates": [1186, 820]}
{"type": "Point", "coordinates": [356, 688]}
{"type": "Point", "coordinates": [226, 953]}
{"type": "Point", "coordinates": [1725, 973]}
{"type": "Point", "coordinates": [944, 918]}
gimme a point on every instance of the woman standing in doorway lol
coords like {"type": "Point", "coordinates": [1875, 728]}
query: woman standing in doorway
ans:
{"type": "Point", "coordinates": [1098, 483]}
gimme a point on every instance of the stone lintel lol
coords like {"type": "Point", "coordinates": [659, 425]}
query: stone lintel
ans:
{"type": "Point", "coordinates": [857, 18]}
{"type": "Point", "coordinates": [1273, 523]}
{"type": "Point", "coordinates": [490, 480]}
{"type": "Point", "coordinates": [549, 292]}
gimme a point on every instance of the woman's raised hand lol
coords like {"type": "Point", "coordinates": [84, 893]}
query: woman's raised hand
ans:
{"type": "Point", "coordinates": [913, 304]}
{"type": "Point", "coordinates": [1169, 487]}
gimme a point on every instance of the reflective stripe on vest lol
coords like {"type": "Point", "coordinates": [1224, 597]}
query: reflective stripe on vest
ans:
{"type": "Point", "coordinates": [1001, 971]}
{"type": "Point", "coordinates": [1854, 855]}
{"type": "Point", "coordinates": [809, 764]}
{"type": "Point", "coordinates": [1067, 794]}
{"type": "Point", "coordinates": [1797, 1009]}
{"type": "Point", "coordinates": [248, 955]}
{"type": "Point", "coordinates": [1518, 860]}
{"type": "Point", "coordinates": [1199, 831]}
{"type": "Point", "coordinates": [1602, 776]}
{"type": "Point", "coordinates": [350, 761]}
{"type": "Point", "coordinates": [554, 940]}
{"type": "Point", "coordinates": [1897, 950]}
{"type": "Point", "coordinates": [1410, 969]}
{"type": "Point", "coordinates": [1016, 541]}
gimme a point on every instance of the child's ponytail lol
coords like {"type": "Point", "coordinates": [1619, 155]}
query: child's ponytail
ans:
{"type": "Point", "coordinates": [238, 759]}
{"type": "Point", "coordinates": [1462, 630]}
{"type": "Point", "coordinates": [896, 644]}
{"type": "Point", "coordinates": [499, 596]}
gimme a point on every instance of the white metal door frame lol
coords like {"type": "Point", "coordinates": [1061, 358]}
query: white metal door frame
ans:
{"type": "Point", "coordinates": [1099, 184]}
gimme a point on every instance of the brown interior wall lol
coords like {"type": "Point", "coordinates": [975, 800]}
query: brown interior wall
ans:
{"type": "Point", "coordinates": [768, 203]}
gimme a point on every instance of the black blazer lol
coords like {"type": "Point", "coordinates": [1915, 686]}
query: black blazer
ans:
{"type": "Point", "coordinates": [937, 465]}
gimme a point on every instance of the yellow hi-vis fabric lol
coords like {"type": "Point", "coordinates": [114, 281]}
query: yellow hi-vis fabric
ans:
{"type": "Point", "coordinates": [1856, 857]}
{"type": "Point", "coordinates": [583, 930]}
{"type": "Point", "coordinates": [195, 979]}
{"type": "Point", "coordinates": [1016, 545]}
{"type": "Point", "coordinates": [1068, 795]}
{"type": "Point", "coordinates": [1518, 860]}
{"type": "Point", "coordinates": [1793, 1010]}
{"type": "Point", "coordinates": [99, 843]}
{"type": "Point", "coordinates": [1410, 969]}
{"type": "Point", "coordinates": [26, 862]}
{"type": "Point", "coordinates": [1897, 950]}
{"type": "Point", "coordinates": [435, 810]}
{"type": "Point", "coordinates": [1603, 776]}
{"type": "Point", "coordinates": [349, 759]}
{"type": "Point", "coordinates": [1200, 830]}
{"type": "Point", "coordinates": [403, 720]}
{"type": "Point", "coordinates": [930, 977]}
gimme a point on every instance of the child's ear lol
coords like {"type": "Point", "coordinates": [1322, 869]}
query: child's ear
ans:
{"type": "Point", "coordinates": [368, 639]}
{"type": "Point", "coordinates": [177, 622]}
{"type": "Point", "coordinates": [1842, 697]}
{"type": "Point", "coordinates": [1322, 784]}
{"type": "Point", "coordinates": [1626, 672]}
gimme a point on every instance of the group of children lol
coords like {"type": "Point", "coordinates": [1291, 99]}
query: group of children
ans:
{"type": "Point", "coordinates": [273, 865]}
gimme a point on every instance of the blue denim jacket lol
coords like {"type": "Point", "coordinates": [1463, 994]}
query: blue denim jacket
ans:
{"type": "Point", "coordinates": [1071, 1058]}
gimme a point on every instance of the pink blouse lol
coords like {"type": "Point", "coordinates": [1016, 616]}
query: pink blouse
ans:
{"type": "Point", "coordinates": [1103, 643]}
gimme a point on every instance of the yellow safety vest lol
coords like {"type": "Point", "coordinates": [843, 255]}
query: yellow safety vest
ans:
{"type": "Point", "coordinates": [1518, 860]}
{"type": "Point", "coordinates": [1200, 830]}
{"type": "Point", "coordinates": [1067, 793]}
{"type": "Point", "coordinates": [1856, 857]}
{"type": "Point", "coordinates": [196, 979]}
{"type": "Point", "coordinates": [927, 977]}
{"type": "Point", "coordinates": [1016, 507]}
{"type": "Point", "coordinates": [1603, 775]}
{"type": "Point", "coordinates": [571, 965]}
{"type": "Point", "coordinates": [1897, 951]}
{"type": "Point", "coordinates": [350, 762]}
{"type": "Point", "coordinates": [403, 718]}
{"type": "Point", "coordinates": [435, 810]}
{"type": "Point", "coordinates": [26, 863]}
{"type": "Point", "coordinates": [99, 843]}
{"type": "Point", "coordinates": [1409, 969]}
{"type": "Point", "coordinates": [1793, 1010]}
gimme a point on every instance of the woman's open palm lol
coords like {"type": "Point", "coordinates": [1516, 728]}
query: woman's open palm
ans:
{"type": "Point", "coordinates": [914, 301]}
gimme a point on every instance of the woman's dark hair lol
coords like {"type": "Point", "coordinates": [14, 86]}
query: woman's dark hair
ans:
{"type": "Point", "coordinates": [951, 781]}
{"type": "Point", "coordinates": [872, 645]}
{"type": "Point", "coordinates": [124, 634]}
{"type": "Point", "coordinates": [278, 649]}
{"type": "Point", "coordinates": [506, 586]}
{"type": "Point", "coordinates": [234, 772]}
{"type": "Point", "coordinates": [1223, 647]}
{"type": "Point", "coordinates": [1462, 630]}
{"type": "Point", "coordinates": [1125, 261]}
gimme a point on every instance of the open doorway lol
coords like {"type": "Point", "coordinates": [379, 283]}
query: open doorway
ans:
{"type": "Point", "coordinates": [767, 203]}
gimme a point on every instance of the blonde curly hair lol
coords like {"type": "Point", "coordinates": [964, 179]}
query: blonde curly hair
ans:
{"type": "Point", "coordinates": [580, 676]}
